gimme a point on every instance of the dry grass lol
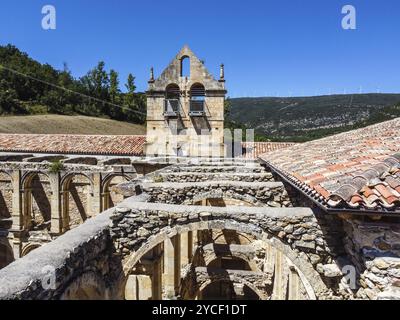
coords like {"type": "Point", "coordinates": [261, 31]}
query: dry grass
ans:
{"type": "Point", "coordinates": [57, 124]}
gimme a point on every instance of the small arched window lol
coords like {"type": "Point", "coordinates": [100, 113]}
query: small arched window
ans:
{"type": "Point", "coordinates": [172, 91]}
{"type": "Point", "coordinates": [197, 97]}
{"type": "Point", "coordinates": [172, 95]}
{"type": "Point", "coordinates": [185, 66]}
{"type": "Point", "coordinates": [197, 92]}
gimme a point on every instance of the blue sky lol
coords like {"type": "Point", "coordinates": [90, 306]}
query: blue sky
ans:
{"type": "Point", "coordinates": [269, 47]}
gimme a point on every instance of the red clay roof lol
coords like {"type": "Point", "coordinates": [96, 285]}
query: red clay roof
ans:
{"type": "Point", "coordinates": [103, 144]}
{"type": "Point", "coordinates": [73, 144]}
{"type": "Point", "coordinates": [357, 169]}
{"type": "Point", "coordinates": [255, 149]}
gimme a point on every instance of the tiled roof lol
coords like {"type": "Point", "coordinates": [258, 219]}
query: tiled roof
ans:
{"type": "Point", "coordinates": [359, 169]}
{"type": "Point", "coordinates": [102, 144]}
{"type": "Point", "coordinates": [73, 144]}
{"type": "Point", "coordinates": [255, 149]}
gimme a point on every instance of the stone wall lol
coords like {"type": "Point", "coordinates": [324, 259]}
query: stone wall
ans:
{"type": "Point", "coordinates": [381, 279]}
{"type": "Point", "coordinates": [201, 177]}
{"type": "Point", "coordinates": [375, 249]}
{"type": "Point", "coordinates": [216, 169]}
{"type": "Point", "coordinates": [271, 194]}
{"type": "Point", "coordinates": [86, 248]}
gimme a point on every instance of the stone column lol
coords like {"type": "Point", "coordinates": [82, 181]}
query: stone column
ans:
{"type": "Point", "coordinates": [280, 277]}
{"type": "Point", "coordinates": [56, 216]}
{"type": "Point", "coordinates": [17, 214]}
{"type": "Point", "coordinates": [17, 201]}
{"type": "Point", "coordinates": [184, 249]}
{"type": "Point", "coordinates": [177, 258]}
{"type": "Point", "coordinates": [26, 208]}
{"type": "Point", "coordinates": [172, 266]}
{"type": "Point", "coordinates": [190, 245]}
{"type": "Point", "coordinates": [106, 200]}
{"type": "Point", "coordinates": [269, 263]}
{"type": "Point", "coordinates": [294, 284]}
{"type": "Point", "coordinates": [157, 273]}
{"type": "Point", "coordinates": [65, 210]}
{"type": "Point", "coordinates": [96, 196]}
{"type": "Point", "coordinates": [195, 240]}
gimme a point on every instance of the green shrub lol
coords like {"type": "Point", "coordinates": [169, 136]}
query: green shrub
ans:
{"type": "Point", "coordinates": [158, 179]}
{"type": "Point", "coordinates": [56, 166]}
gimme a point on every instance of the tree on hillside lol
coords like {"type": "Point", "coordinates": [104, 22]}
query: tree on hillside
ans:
{"type": "Point", "coordinates": [130, 87]}
{"type": "Point", "coordinates": [29, 87]}
{"type": "Point", "coordinates": [116, 112]}
{"type": "Point", "coordinates": [227, 108]}
{"type": "Point", "coordinates": [8, 99]}
{"type": "Point", "coordinates": [114, 86]}
{"type": "Point", "coordinates": [130, 84]}
{"type": "Point", "coordinates": [133, 101]}
{"type": "Point", "coordinates": [96, 84]}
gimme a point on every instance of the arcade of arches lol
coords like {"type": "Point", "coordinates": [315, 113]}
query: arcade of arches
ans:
{"type": "Point", "coordinates": [38, 204]}
{"type": "Point", "coordinates": [218, 265]}
{"type": "Point", "coordinates": [213, 263]}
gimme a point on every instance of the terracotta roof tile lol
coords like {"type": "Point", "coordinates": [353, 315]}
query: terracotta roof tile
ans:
{"type": "Point", "coordinates": [254, 149]}
{"type": "Point", "coordinates": [385, 192]}
{"type": "Point", "coordinates": [73, 144]}
{"type": "Point", "coordinates": [344, 168]}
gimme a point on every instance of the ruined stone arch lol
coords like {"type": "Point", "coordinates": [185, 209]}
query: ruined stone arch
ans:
{"type": "Point", "coordinates": [6, 194]}
{"type": "Point", "coordinates": [211, 259]}
{"type": "Point", "coordinates": [261, 295]}
{"type": "Point", "coordinates": [251, 266]}
{"type": "Point", "coordinates": [67, 177]}
{"type": "Point", "coordinates": [243, 238]}
{"type": "Point", "coordinates": [76, 203]}
{"type": "Point", "coordinates": [27, 177]}
{"type": "Point", "coordinates": [37, 195]}
{"type": "Point", "coordinates": [110, 198]}
{"type": "Point", "coordinates": [311, 279]}
{"type": "Point", "coordinates": [222, 199]}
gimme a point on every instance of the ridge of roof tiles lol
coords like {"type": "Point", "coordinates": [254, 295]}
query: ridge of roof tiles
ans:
{"type": "Point", "coordinates": [73, 144]}
{"type": "Point", "coordinates": [359, 169]}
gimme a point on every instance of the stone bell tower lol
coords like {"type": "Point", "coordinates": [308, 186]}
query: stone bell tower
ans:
{"type": "Point", "coordinates": [185, 110]}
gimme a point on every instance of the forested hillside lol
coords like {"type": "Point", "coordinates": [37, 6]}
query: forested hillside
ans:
{"type": "Point", "coordinates": [29, 87]}
{"type": "Point", "coordinates": [307, 118]}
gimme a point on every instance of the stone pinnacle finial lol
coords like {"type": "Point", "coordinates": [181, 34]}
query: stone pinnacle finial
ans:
{"type": "Point", "coordinates": [221, 73]}
{"type": "Point", "coordinates": [151, 75]}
